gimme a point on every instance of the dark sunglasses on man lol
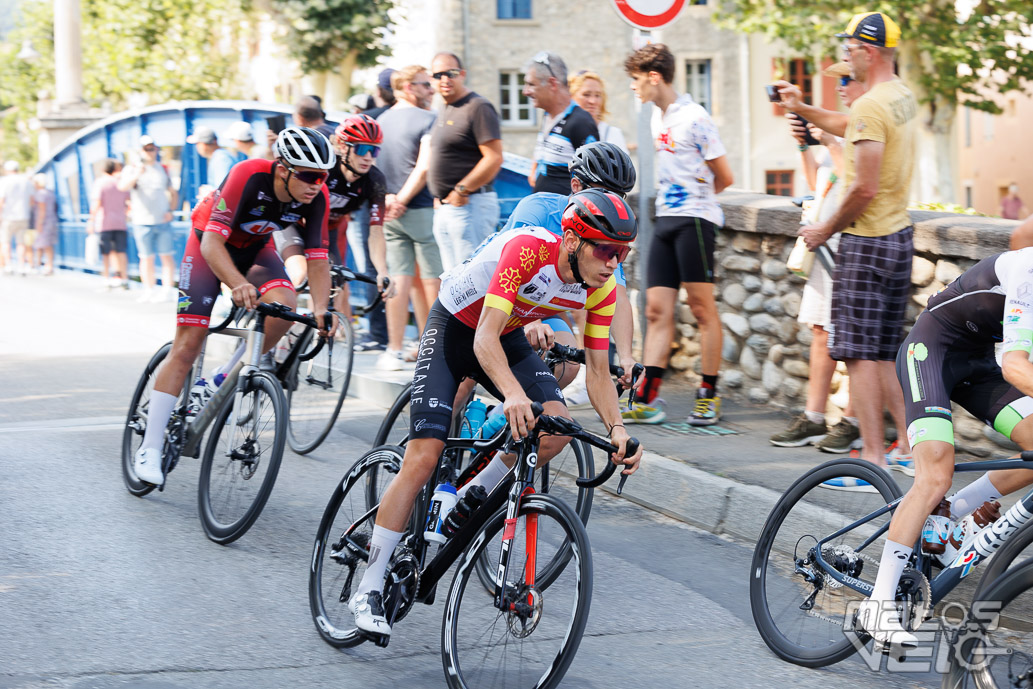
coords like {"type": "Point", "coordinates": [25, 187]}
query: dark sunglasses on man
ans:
{"type": "Point", "coordinates": [607, 252]}
{"type": "Point", "coordinates": [450, 73]}
{"type": "Point", "coordinates": [308, 176]}
{"type": "Point", "coordinates": [365, 149]}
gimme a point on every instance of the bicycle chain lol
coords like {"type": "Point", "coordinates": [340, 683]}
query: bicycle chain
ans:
{"type": "Point", "coordinates": [915, 606]}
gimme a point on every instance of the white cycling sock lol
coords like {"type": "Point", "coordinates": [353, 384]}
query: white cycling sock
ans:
{"type": "Point", "coordinates": [489, 477]}
{"type": "Point", "coordinates": [381, 545]}
{"type": "Point", "coordinates": [228, 366]}
{"type": "Point", "coordinates": [966, 500]}
{"type": "Point", "coordinates": [159, 410]}
{"type": "Point", "coordinates": [894, 560]}
{"type": "Point", "coordinates": [815, 416]}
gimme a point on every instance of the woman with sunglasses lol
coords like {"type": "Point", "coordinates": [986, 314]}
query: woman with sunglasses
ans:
{"type": "Point", "coordinates": [230, 244]}
{"type": "Point", "coordinates": [475, 330]}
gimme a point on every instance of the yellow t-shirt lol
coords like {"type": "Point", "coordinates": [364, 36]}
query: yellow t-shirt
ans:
{"type": "Point", "coordinates": [888, 113]}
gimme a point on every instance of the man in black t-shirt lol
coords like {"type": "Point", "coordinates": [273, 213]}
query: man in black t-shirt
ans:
{"type": "Point", "coordinates": [466, 154]}
{"type": "Point", "coordinates": [565, 128]}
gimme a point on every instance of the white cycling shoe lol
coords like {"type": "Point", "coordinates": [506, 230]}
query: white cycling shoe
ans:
{"type": "Point", "coordinates": [881, 620]}
{"type": "Point", "coordinates": [368, 609]}
{"type": "Point", "coordinates": [147, 466]}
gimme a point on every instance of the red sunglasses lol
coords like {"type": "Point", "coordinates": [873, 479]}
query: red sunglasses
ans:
{"type": "Point", "coordinates": [307, 176]}
{"type": "Point", "coordinates": [606, 252]}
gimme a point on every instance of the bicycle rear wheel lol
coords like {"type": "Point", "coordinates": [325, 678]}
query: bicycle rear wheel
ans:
{"type": "Point", "coordinates": [347, 525]}
{"type": "Point", "coordinates": [994, 647]}
{"type": "Point", "coordinates": [241, 459]}
{"type": "Point", "coordinates": [800, 611]}
{"type": "Point", "coordinates": [394, 428]}
{"type": "Point", "coordinates": [316, 386]}
{"type": "Point", "coordinates": [136, 423]}
{"type": "Point", "coordinates": [533, 640]}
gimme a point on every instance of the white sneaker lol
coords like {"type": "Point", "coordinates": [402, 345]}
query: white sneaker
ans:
{"type": "Point", "coordinates": [368, 609]}
{"type": "Point", "coordinates": [390, 360]}
{"type": "Point", "coordinates": [147, 465]}
{"type": "Point", "coordinates": [881, 620]}
{"type": "Point", "coordinates": [161, 295]}
{"type": "Point", "coordinates": [146, 295]}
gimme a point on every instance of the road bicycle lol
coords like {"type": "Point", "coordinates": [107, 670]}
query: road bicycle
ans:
{"type": "Point", "coordinates": [574, 460]}
{"type": "Point", "coordinates": [522, 625]}
{"type": "Point", "coordinates": [316, 371]}
{"type": "Point", "coordinates": [248, 416]}
{"type": "Point", "coordinates": [819, 551]}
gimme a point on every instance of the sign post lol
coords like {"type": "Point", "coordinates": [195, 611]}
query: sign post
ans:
{"type": "Point", "coordinates": [647, 17]}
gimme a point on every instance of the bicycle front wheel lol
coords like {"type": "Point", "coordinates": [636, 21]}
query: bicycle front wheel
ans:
{"type": "Point", "coordinates": [532, 640]}
{"type": "Point", "coordinates": [136, 423]}
{"type": "Point", "coordinates": [241, 459]}
{"type": "Point", "coordinates": [338, 561]}
{"type": "Point", "coordinates": [316, 387]}
{"type": "Point", "coordinates": [801, 612]}
{"type": "Point", "coordinates": [994, 647]}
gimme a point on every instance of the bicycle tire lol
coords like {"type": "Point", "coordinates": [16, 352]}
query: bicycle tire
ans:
{"type": "Point", "coordinates": [998, 605]}
{"type": "Point", "coordinates": [829, 614]}
{"type": "Point", "coordinates": [331, 570]}
{"type": "Point", "coordinates": [390, 425]}
{"type": "Point", "coordinates": [462, 649]}
{"type": "Point", "coordinates": [214, 501]}
{"type": "Point", "coordinates": [313, 407]}
{"type": "Point", "coordinates": [136, 423]}
{"type": "Point", "coordinates": [582, 506]}
{"type": "Point", "coordinates": [1009, 554]}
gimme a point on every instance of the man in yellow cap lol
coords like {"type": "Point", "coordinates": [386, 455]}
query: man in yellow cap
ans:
{"type": "Point", "coordinates": [873, 270]}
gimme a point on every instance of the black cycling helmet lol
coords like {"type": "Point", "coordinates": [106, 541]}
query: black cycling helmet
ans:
{"type": "Point", "coordinates": [601, 162]}
{"type": "Point", "coordinates": [600, 215]}
{"type": "Point", "coordinates": [304, 147]}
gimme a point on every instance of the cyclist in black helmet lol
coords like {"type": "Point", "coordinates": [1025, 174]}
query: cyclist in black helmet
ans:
{"type": "Point", "coordinates": [606, 166]}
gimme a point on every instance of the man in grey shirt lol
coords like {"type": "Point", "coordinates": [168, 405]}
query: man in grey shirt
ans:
{"type": "Point", "coordinates": [409, 230]}
{"type": "Point", "coordinates": [152, 198]}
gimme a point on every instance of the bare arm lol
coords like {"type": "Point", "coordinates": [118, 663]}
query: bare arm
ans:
{"type": "Point", "coordinates": [867, 163]}
{"type": "Point", "coordinates": [604, 399]}
{"type": "Point", "coordinates": [489, 353]}
{"type": "Point", "coordinates": [623, 329]}
{"type": "Point", "coordinates": [319, 289]}
{"type": "Point", "coordinates": [414, 183]}
{"type": "Point", "coordinates": [1018, 370]}
{"type": "Point", "coordinates": [832, 121]}
{"type": "Point", "coordinates": [482, 173]}
{"type": "Point", "coordinates": [722, 173]}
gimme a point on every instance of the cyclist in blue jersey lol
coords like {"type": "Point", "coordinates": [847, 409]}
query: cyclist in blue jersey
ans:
{"type": "Point", "coordinates": [598, 164]}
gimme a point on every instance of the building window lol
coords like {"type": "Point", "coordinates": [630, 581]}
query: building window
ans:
{"type": "Point", "coordinates": [800, 74]}
{"type": "Point", "coordinates": [697, 82]}
{"type": "Point", "coordinates": [968, 196]}
{"type": "Point", "coordinates": [779, 182]}
{"type": "Point", "coordinates": [516, 109]}
{"type": "Point", "coordinates": [514, 9]}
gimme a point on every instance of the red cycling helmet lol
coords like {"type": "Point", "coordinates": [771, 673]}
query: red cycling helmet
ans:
{"type": "Point", "coordinates": [600, 215]}
{"type": "Point", "coordinates": [359, 129]}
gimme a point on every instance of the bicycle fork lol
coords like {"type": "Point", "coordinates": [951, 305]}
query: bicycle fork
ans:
{"type": "Point", "coordinates": [527, 458]}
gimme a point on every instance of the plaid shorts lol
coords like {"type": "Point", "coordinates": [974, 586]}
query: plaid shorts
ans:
{"type": "Point", "coordinates": [869, 295]}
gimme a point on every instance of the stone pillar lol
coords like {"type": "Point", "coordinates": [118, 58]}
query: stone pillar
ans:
{"type": "Point", "coordinates": [68, 55]}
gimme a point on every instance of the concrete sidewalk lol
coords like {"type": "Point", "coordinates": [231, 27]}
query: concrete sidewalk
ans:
{"type": "Point", "coordinates": [724, 478]}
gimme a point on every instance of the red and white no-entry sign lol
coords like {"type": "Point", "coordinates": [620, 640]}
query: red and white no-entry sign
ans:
{"type": "Point", "coordinates": [648, 15]}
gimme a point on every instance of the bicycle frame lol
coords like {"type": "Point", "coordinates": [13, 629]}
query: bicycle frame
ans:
{"type": "Point", "coordinates": [989, 540]}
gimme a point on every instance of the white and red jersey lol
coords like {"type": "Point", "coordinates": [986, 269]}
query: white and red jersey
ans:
{"type": "Point", "coordinates": [515, 272]}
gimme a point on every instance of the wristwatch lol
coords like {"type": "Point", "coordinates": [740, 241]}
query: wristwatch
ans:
{"type": "Point", "coordinates": [462, 190]}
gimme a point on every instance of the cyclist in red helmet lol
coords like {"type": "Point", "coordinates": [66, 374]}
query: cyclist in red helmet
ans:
{"type": "Point", "coordinates": [475, 329]}
{"type": "Point", "coordinates": [353, 182]}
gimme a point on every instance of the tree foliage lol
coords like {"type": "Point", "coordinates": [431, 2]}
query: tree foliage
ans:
{"type": "Point", "coordinates": [147, 51]}
{"type": "Point", "coordinates": [321, 34]}
{"type": "Point", "coordinates": [954, 57]}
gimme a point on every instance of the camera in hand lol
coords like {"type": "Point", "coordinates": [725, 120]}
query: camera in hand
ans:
{"type": "Point", "coordinates": [808, 138]}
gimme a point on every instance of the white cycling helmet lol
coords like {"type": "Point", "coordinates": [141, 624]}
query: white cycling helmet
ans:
{"type": "Point", "coordinates": [304, 147]}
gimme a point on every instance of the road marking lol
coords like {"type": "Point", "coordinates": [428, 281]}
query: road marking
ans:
{"type": "Point", "coordinates": [89, 423]}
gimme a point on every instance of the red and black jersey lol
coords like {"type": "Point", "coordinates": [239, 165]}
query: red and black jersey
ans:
{"type": "Point", "coordinates": [245, 210]}
{"type": "Point", "coordinates": [346, 196]}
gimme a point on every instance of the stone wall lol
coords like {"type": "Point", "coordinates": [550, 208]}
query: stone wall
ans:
{"type": "Point", "coordinates": [766, 351]}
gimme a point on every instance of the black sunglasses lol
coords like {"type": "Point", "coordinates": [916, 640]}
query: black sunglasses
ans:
{"type": "Point", "coordinates": [607, 252]}
{"type": "Point", "coordinates": [542, 58]}
{"type": "Point", "coordinates": [450, 73]}
{"type": "Point", "coordinates": [308, 176]}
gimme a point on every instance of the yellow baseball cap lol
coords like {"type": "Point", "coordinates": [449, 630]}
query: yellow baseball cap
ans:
{"type": "Point", "coordinates": [873, 28]}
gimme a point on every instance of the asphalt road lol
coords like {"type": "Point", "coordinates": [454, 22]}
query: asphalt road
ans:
{"type": "Point", "coordinates": [102, 590]}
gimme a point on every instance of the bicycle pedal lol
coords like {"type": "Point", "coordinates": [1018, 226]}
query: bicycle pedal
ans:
{"type": "Point", "coordinates": [381, 640]}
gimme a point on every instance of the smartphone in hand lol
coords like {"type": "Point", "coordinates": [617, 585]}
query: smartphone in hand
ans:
{"type": "Point", "coordinates": [808, 138]}
{"type": "Point", "coordinates": [773, 95]}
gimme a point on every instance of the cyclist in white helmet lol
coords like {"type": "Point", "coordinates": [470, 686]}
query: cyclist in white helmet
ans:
{"type": "Point", "coordinates": [230, 244]}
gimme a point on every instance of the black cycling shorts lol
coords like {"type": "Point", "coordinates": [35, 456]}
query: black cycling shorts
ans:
{"type": "Point", "coordinates": [682, 250]}
{"type": "Point", "coordinates": [446, 357]}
